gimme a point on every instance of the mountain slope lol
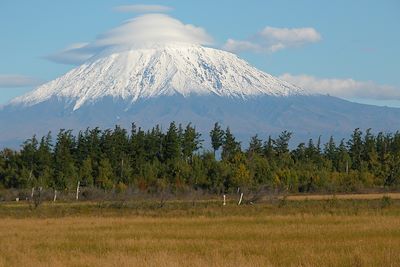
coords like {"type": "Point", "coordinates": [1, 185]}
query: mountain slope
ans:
{"type": "Point", "coordinates": [306, 116]}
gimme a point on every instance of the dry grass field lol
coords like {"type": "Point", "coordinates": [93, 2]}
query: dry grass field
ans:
{"type": "Point", "coordinates": [290, 233]}
{"type": "Point", "coordinates": [344, 196]}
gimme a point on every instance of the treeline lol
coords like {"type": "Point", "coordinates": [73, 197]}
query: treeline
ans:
{"type": "Point", "coordinates": [154, 160]}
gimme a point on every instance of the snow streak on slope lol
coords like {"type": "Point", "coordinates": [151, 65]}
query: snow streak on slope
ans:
{"type": "Point", "coordinates": [161, 70]}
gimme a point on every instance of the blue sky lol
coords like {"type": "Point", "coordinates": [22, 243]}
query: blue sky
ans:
{"type": "Point", "coordinates": [344, 48]}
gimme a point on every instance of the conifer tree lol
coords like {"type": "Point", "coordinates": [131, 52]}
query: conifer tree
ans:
{"type": "Point", "coordinates": [230, 146]}
{"type": "Point", "coordinates": [172, 146]}
{"type": "Point", "coordinates": [355, 148]}
{"type": "Point", "coordinates": [343, 158]}
{"type": "Point", "coordinates": [29, 159]}
{"type": "Point", "coordinates": [191, 142]}
{"type": "Point", "coordinates": [217, 137]}
{"type": "Point", "coordinates": [154, 142]}
{"type": "Point", "coordinates": [299, 154]}
{"type": "Point", "coordinates": [281, 144]}
{"type": "Point", "coordinates": [268, 148]}
{"type": "Point", "coordinates": [86, 172]}
{"type": "Point", "coordinates": [369, 153]}
{"type": "Point", "coordinates": [255, 146]}
{"type": "Point", "coordinates": [65, 173]}
{"type": "Point", "coordinates": [45, 160]}
{"type": "Point", "coordinates": [105, 174]}
{"type": "Point", "coordinates": [330, 149]}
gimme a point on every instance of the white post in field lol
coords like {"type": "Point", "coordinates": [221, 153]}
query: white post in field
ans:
{"type": "Point", "coordinates": [224, 200]}
{"type": "Point", "coordinates": [240, 199]}
{"type": "Point", "coordinates": [33, 191]}
{"type": "Point", "coordinates": [55, 195]}
{"type": "Point", "coordinates": [77, 190]}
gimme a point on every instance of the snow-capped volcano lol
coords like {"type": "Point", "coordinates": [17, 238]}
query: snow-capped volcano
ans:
{"type": "Point", "coordinates": [167, 69]}
{"type": "Point", "coordinates": [184, 83]}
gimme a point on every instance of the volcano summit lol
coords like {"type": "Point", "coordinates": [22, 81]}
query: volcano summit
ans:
{"type": "Point", "coordinates": [164, 70]}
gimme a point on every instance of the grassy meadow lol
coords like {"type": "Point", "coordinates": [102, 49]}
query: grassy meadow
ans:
{"type": "Point", "coordinates": [325, 232]}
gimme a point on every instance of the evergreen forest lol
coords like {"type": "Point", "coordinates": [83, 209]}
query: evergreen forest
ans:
{"type": "Point", "coordinates": [152, 160]}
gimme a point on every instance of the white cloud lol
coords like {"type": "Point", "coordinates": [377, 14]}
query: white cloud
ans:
{"type": "Point", "coordinates": [143, 8]}
{"type": "Point", "coordinates": [272, 39]}
{"type": "Point", "coordinates": [143, 31]}
{"type": "Point", "coordinates": [294, 36]}
{"type": "Point", "coordinates": [153, 28]}
{"type": "Point", "coordinates": [17, 80]}
{"type": "Point", "coordinates": [344, 88]}
{"type": "Point", "coordinates": [73, 54]}
{"type": "Point", "coordinates": [237, 46]}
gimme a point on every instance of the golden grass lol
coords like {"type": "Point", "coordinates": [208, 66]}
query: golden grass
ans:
{"type": "Point", "coordinates": [345, 196]}
{"type": "Point", "coordinates": [256, 240]}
